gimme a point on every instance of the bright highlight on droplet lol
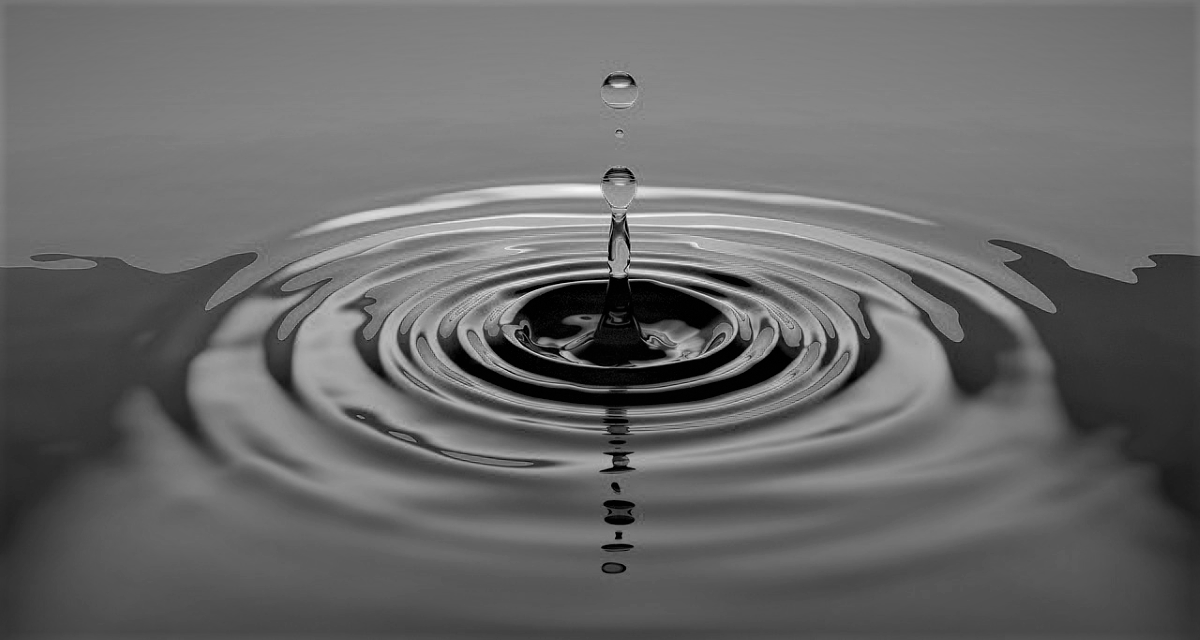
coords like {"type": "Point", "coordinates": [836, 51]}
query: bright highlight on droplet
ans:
{"type": "Point", "coordinates": [619, 90]}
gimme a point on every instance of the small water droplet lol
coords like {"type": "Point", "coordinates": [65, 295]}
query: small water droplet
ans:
{"type": "Point", "coordinates": [619, 90]}
{"type": "Point", "coordinates": [617, 547]}
{"type": "Point", "coordinates": [612, 567]}
{"type": "Point", "coordinates": [619, 186]}
{"type": "Point", "coordinates": [620, 133]}
{"type": "Point", "coordinates": [616, 487]}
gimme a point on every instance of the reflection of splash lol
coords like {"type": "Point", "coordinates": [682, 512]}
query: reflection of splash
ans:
{"type": "Point", "coordinates": [619, 511]}
{"type": "Point", "coordinates": [617, 424]}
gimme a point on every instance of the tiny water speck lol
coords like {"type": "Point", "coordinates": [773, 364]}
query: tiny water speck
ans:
{"type": "Point", "coordinates": [619, 90]}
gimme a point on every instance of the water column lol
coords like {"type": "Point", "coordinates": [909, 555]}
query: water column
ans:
{"type": "Point", "coordinates": [618, 338]}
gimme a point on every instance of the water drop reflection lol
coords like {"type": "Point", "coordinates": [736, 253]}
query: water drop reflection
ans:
{"type": "Point", "coordinates": [619, 512]}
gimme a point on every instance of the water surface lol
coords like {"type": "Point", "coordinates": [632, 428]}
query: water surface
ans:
{"type": "Point", "coordinates": [262, 380]}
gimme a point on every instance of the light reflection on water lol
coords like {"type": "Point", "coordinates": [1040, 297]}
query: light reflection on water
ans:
{"type": "Point", "coordinates": [349, 459]}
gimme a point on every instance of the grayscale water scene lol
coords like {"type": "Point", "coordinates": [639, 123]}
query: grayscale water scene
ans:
{"type": "Point", "coordinates": [660, 320]}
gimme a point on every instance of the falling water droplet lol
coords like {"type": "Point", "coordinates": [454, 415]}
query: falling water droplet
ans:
{"type": "Point", "coordinates": [619, 90]}
{"type": "Point", "coordinates": [620, 133]}
{"type": "Point", "coordinates": [619, 186]}
{"type": "Point", "coordinates": [612, 567]}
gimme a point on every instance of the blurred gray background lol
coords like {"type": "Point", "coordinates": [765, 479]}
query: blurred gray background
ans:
{"type": "Point", "coordinates": [170, 136]}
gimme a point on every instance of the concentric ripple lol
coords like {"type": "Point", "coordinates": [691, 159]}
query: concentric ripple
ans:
{"type": "Point", "coordinates": [845, 424]}
{"type": "Point", "coordinates": [449, 326]}
{"type": "Point", "coordinates": [469, 304]}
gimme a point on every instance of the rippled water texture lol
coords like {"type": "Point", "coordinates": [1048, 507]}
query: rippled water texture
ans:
{"type": "Point", "coordinates": [308, 331]}
{"type": "Point", "coordinates": [359, 436]}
